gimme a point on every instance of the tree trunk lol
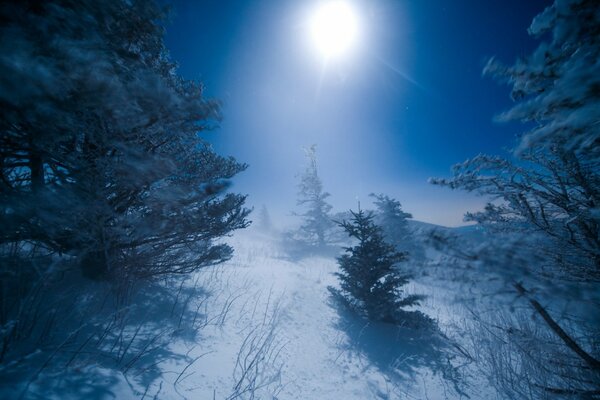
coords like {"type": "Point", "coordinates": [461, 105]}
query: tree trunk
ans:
{"type": "Point", "coordinates": [36, 166]}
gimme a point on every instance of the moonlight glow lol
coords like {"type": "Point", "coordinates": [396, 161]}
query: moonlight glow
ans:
{"type": "Point", "coordinates": [334, 28]}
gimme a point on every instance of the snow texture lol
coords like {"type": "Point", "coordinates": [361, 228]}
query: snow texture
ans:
{"type": "Point", "coordinates": [271, 331]}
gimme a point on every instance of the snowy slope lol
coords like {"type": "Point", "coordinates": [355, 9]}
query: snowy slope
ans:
{"type": "Point", "coordinates": [263, 326]}
{"type": "Point", "coordinates": [303, 346]}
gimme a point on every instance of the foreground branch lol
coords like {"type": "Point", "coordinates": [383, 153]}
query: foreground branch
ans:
{"type": "Point", "coordinates": [556, 328]}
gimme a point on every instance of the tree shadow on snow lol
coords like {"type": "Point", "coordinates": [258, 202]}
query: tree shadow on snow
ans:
{"type": "Point", "coordinates": [401, 354]}
{"type": "Point", "coordinates": [93, 343]}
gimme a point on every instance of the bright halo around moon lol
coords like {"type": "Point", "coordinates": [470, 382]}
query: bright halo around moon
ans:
{"type": "Point", "coordinates": [334, 28]}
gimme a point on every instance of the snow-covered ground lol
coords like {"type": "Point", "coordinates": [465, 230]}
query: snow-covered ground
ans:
{"type": "Point", "coordinates": [265, 327]}
{"type": "Point", "coordinates": [282, 338]}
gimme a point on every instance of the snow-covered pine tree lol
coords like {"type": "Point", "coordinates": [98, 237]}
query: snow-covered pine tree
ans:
{"type": "Point", "coordinates": [100, 153]}
{"type": "Point", "coordinates": [545, 209]}
{"type": "Point", "coordinates": [391, 218]}
{"type": "Point", "coordinates": [264, 222]}
{"type": "Point", "coordinates": [394, 223]}
{"type": "Point", "coordinates": [370, 280]}
{"type": "Point", "coordinates": [102, 171]}
{"type": "Point", "coordinates": [316, 220]}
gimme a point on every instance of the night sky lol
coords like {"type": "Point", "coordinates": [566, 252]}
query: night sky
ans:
{"type": "Point", "coordinates": [404, 105]}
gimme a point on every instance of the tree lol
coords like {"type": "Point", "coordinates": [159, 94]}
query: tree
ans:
{"type": "Point", "coordinates": [264, 220]}
{"type": "Point", "coordinates": [100, 156]}
{"type": "Point", "coordinates": [102, 172]}
{"type": "Point", "coordinates": [547, 197]}
{"type": "Point", "coordinates": [556, 87]}
{"type": "Point", "coordinates": [394, 223]}
{"type": "Point", "coordinates": [316, 221]}
{"type": "Point", "coordinates": [370, 281]}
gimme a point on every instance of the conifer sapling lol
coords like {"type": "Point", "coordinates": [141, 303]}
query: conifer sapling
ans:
{"type": "Point", "coordinates": [370, 281]}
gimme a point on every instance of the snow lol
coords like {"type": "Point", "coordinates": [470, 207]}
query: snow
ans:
{"type": "Point", "coordinates": [267, 328]}
{"type": "Point", "coordinates": [315, 351]}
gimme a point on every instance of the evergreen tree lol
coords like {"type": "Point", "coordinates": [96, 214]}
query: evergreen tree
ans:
{"type": "Point", "coordinates": [317, 223]}
{"type": "Point", "coordinates": [100, 153]}
{"type": "Point", "coordinates": [264, 220]}
{"type": "Point", "coordinates": [394, 223]}
{"type": "Point", "coordinates": [545, 208]}
{"type": "Point", "coordinates": [370, 281]}
{"type": "Point", "coordinates": [391, 218]}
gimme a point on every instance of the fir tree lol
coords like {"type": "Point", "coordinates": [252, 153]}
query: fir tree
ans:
{"type": "Point", "coordinates": [100, 152]}
{"type": "Point", "coordinates": [394, 223]}
{"type": "Point", "coordinates": [391, 217]}
{"type": "Point", "coordinates": [370, 282]}
{"type": "Point", "coordinates": [317, 223]}
{"type": "Point", "coordinates": [543, 209]}
{"type": "Point", "coordinates": [264, 220]}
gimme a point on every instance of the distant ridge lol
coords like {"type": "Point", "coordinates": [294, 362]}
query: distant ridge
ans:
{"type": "Point", "coordinates": [421, 228]}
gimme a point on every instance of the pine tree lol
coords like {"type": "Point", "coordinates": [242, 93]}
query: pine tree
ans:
{"type": "Point", "coordinates": [264, 220]}
{"type": "Point", "coordinates": [317, 223]}
{"type": "Point", "coordinates": [394, 223]}
{"type": "Point", "coordinates": [544, 214]}
{"type": "Point", "coordinates": [370, 281]}
{"type": "Point", "coordinates": [100, 153]}
{"type": "Point", "coordinates": [391, 218]}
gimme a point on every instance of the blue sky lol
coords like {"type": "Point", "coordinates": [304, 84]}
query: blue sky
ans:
{"type": "Point", "coordinates": [404, 105]}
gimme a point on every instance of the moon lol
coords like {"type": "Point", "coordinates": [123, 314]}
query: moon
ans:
{"type": "Point", "coordinates": [334, 28]}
